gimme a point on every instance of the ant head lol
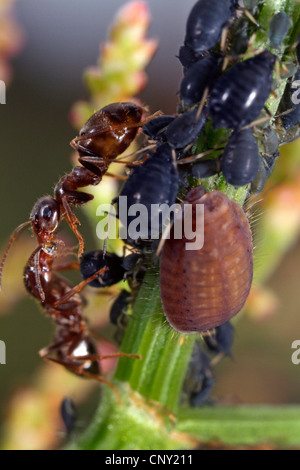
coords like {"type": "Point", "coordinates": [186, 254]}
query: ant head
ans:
{"type": "Point", "coordinates": [44, 218]}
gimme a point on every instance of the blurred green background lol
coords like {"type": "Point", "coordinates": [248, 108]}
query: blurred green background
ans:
{"type": "Point", "coordinates": [61, 38]}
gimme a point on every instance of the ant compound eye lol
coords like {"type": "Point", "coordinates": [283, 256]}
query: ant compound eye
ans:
{"type": "Point", "coordinates": [45, 216]}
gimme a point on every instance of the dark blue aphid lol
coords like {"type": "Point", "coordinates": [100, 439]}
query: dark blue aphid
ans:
{"type": "Point", "coordinates": [188, 56]}
{"type": "Point", "coordinates": [239, 41]}
{"type": "Point", "coordinates": [156, 128]}
{"type": "Point", "coordinates": [205, 168]}
{"type": "Point", "coordinates": [279, 27]}
{"type": "Point", "coordinates": [186, 128]}
{"type": "Point", "coordinates": [205, 23]}
{"type": "Point", "coordinates": [221, 341]}
{"type": "Point", "coordinates": [199, 380]}
{"type": "Point", "coordinates": [154, 182]}
{"type": "Point", "coordinates": [252, 5]}
{"type": "Point", "coordinates": [266, 166]}
{"type": "Point", "coordinates": [239, 95]}
{"type": "Point", "coordinates": [298, 49]}
{"type": "Point", "coordinates": [119, 307]}
{"type": "Point", "coordinates": [240, 161]}
{"type": "Point", "coordinates": [291, 101]}
{"type": "Point", "coordinates": [198, 77]}
{"type": "Point", "coordinates": [68, 414]}
{"type": "Point", "coordinates": [95, 260]}
{"type": "Point", "coordinates": [270, 140]}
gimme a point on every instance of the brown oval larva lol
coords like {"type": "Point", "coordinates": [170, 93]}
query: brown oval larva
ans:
{"type": "Point", "coordinates": [202, 289]}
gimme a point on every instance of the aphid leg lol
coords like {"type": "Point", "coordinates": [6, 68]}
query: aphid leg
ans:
{"type": "Point", "coordinates": [149, 118]}
{"type": "Point", "coordinates": [224, 39]}
{"type": "Point", "coordinates": [217, 359]}
{"type": "Point", "coordinates": [73, 222]}
{"type": "Point", "coordinates": [107, 233]}
{"type": "Point", "coordinates": [256, 122]}
{"type": "Point", "coordinates": [251, 17]}
{"type": "Point", "coordinates": [137, 163]}
{"type": "Point", "coordinates": [268, 112]}
{"type": "Point", "coordinates": [202, 103]}
{"type": "Point", "coordinates": [164, 237]}
{"type": "Point", "coordinates": [141, 150]}
{"type": "Point", "coordinates": [10, 243]}
{"type": "Point", "coordinates": [79, 287]}
{"type": "Point", "coordinates": [193, 158]}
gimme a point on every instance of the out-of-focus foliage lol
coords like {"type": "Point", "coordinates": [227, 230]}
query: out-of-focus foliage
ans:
{"type": "Point", "coordinates": [11, 38]}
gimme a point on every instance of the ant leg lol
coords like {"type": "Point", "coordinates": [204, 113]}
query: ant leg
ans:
{"type": "Point", "coordinates": [79, 287]}
{"type": "Point", "coordinates": [80, 371]}
{"type": "Point", "coordinates": [98, 357]}
{"type": "Point", "coordinates": [70, 266]}
{"type": "Point", "coordinates": [119, 177]}
{"type": "Point", "coordinates": [73, 222]}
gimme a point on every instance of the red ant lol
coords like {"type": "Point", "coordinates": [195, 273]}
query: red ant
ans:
{"type": "Point", "coordinates": [73, 346]}
{"type": "Point", "coordinates": [104, 136]}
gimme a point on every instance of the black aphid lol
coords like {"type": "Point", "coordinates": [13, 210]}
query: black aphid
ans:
{"type": "Point", "coordinates": [240, 161]}
{"type": "Point", "coordinates": [279, 27]}
{"type": "Point", "coordinates": [291, 102]}
{"type": "Point", "coordinates": [221, 341]}
{"type": "Point", "coordinates": [119, 308]}
{"type": "Point", "coordinates": [199, 380]}
{"type": "Point", "coordinates": [68, 414]}
{"type": "Point", "coordinates": [154, 182]}
{"type": "Point", "coordinates": [156, 128]}
{"type": "Point", "coordinates": [198, 77]}
{"type": "Point", "coordinates": [239, 95]}
{"type": "Point", "coordinates": [266, 166]}
{"type": "Point", "coordinates": [93, 261]}
{"type": "Point", "coordinates": [205, 23]}
{"type": "Point", "coordinates": [186, 128]}
{"type": "Point", "coordinates": [205, 168]}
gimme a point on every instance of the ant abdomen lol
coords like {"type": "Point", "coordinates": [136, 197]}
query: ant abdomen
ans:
{"type": "Point", "coordinates": [109, 131]}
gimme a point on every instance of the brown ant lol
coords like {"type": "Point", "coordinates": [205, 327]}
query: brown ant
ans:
{"type": "Point", "coordinates": [105, 135]}
{"type": "Point", "coordinates": [73, 346]}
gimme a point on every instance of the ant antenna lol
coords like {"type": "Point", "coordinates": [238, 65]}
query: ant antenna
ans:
{"type": "Point", "coordinates": [10, 243]}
